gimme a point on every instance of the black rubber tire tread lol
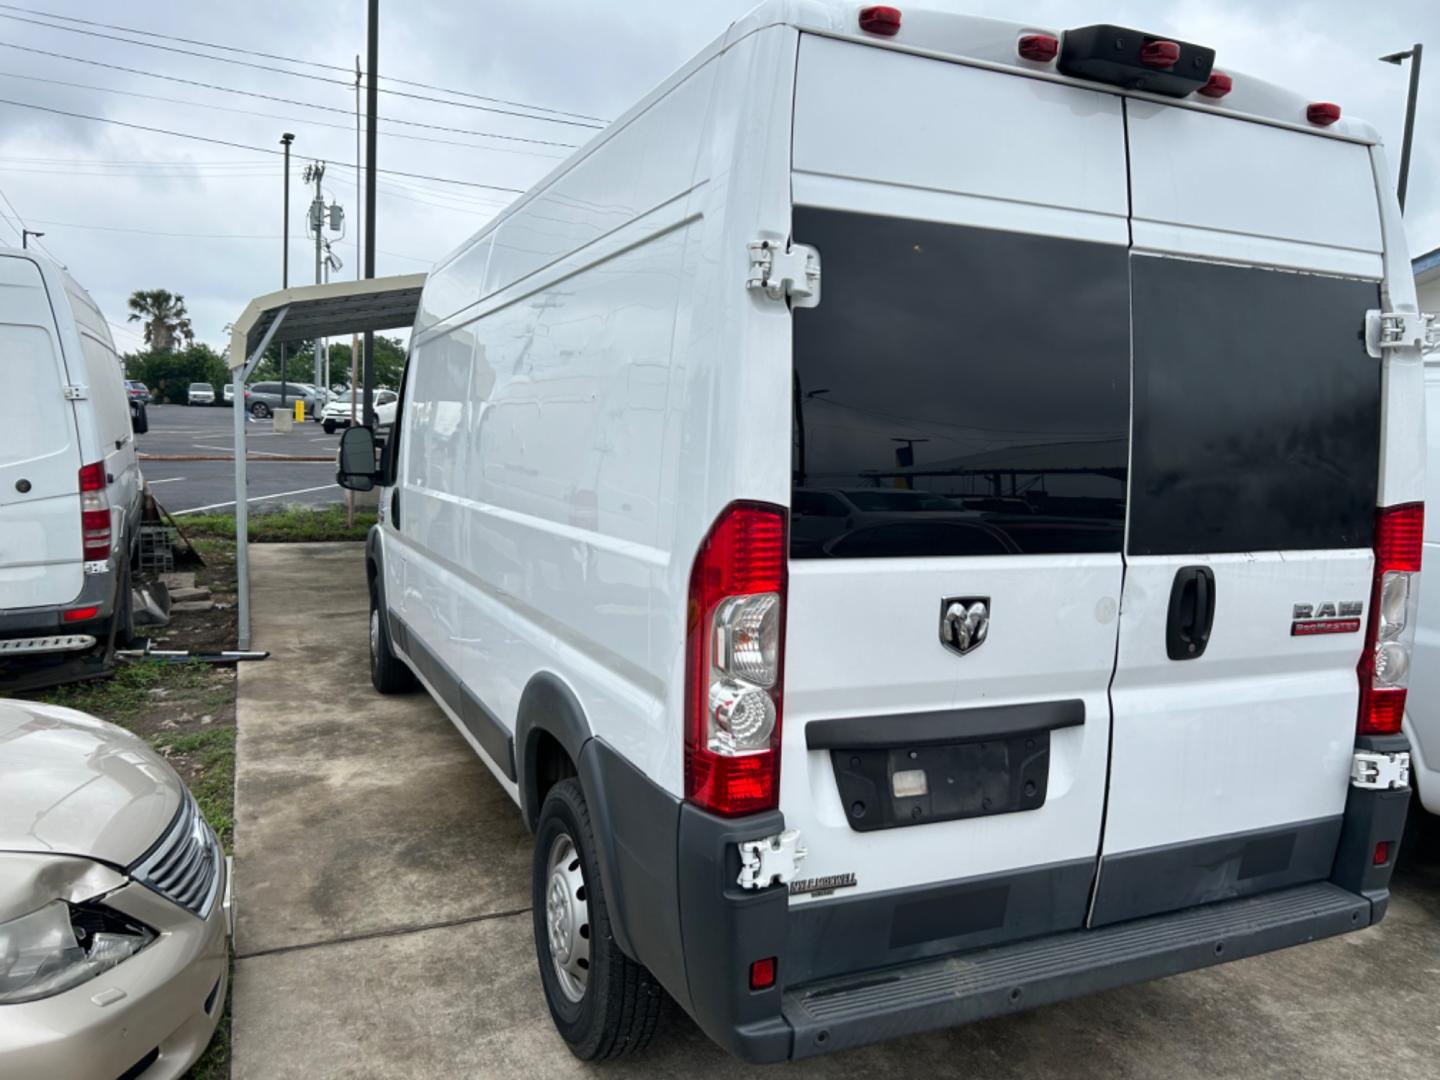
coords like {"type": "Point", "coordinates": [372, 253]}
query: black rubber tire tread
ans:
{"type": "Point", "coordinates": [388, 673]}
{"type": "Point", "coordinates": [624, 1005]}
{"type": "Point", "coordinates": [260, 410]}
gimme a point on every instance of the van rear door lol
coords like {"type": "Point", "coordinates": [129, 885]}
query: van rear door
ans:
{"type": "Point", "coordinates": [1255, 460]}
{"type": "Point", "coordinates": [960, 441]}
{"type": "Point", "coordinates": [40, 553]}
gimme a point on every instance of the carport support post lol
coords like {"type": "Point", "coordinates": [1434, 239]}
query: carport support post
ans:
{"type": "Point", "coordinates": [242, 507]}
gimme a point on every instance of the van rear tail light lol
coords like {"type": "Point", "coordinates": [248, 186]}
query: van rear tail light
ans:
{"type": "Point", "coordinates": [1041, 47]}
{"type": "Point", "coordinates": [1218, 86]}
{"type": "Point", "coordinates": [1323, 113]}
{"type": "Point", "coordinates": [734, 662]}
{"type": "Point", "coordinates": [1394, 599]}
{"type": "Point", "coordinates": [1159, 54]}
{"type": "Point", "coordinates": [884, 21]}
{"type": "Point", "coordinates": [94, 513]}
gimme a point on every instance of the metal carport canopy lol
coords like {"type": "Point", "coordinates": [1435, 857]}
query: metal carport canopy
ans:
{"type": "Point", "coordinates": [302, 313]}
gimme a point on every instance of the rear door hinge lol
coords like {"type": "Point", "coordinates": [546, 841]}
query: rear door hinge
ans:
{"type": "Point", "coordinates": [74, 392]}
{"type": "Point", "coordinates": [773, 859]}
{"type": "Point", "coordinates": [1400, 330]}
{"type": "Point", "coordinates": [782, 272]}
{"type": "Point", "coordinates": [1380, 772]}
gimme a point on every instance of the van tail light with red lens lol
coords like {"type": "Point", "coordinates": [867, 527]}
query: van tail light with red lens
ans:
{"type": "Point", "coordinates": [1041, 47]}
{"type": "Point", "coordinates": [1160, 54]}
{"type": "Point", "coordinates": [94, 513]}
{"type": "Point", "coordinates": [1394, 600]}
{"type": "Point", "coordinates": [734, 662]}
{"type": "Point", "coordinates": [1323, 113]}
{"type": "Point", "coordinates": [1219, 85]}
{"type": "Point", "coordinates": [884, 21]}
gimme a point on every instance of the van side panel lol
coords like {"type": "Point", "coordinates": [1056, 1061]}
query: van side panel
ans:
{"type": "Point", "coordinates": [40, 553]}
{"type": "Point", "coordinates": [531, 446]}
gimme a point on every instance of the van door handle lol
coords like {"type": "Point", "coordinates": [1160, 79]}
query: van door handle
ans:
{"type": "Point", "coordinates": [1192, 613]}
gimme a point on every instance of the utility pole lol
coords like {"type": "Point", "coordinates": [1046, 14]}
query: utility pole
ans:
{"type": "Point", "coordinates": [372, 108]}
{"type": "Point", "coordinates": [285, 140]}
{"type": "Point", "coordinates": [25, 235]}
{"type": "Point", "coordinates": [354, 339]}
{"type": "Point", "coordinates": [315, 171]}
{"type": "Point", "coordinates": [1413, 55]}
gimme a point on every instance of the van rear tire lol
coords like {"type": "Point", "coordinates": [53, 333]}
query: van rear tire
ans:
{"type": "Point", "coordinates": [388, 673]}
{"type": "Point", "coordinates": [620, 1005]}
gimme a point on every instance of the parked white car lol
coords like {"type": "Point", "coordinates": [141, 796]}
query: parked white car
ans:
{"type": "Point", "coordinates": [336, 413]}
{"type": "Point", "coordinates": [70, 483]}
{"type": "Point", "coordinates": [200, 394]}
{"type": "Point", "coordinates": [115, 908]}
{"type": "Point", "coordinates": [1112, 309]}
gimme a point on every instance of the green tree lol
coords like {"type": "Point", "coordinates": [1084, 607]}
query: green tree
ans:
{"type": "Point", "coordinates": [164, 316]}
{"type": "Point", "coordinates": [169, 374]}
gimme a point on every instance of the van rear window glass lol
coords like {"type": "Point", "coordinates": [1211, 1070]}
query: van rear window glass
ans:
{"type": "Point", "coordinates": [958, 391]}
{"type": "Point", "coordinates": [1257, 410]}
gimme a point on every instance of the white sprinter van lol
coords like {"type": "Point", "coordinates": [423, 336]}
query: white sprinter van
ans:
{"type": "Point", "coordinates": [70, 484]}
{"type": "Point", "coordinates": [901, 513]}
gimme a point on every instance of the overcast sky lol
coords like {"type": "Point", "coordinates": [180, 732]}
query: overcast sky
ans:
{"type": "Point", "coordinates": [127, 209]}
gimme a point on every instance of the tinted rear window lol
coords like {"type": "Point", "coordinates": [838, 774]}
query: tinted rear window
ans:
{"type": "Point", "coordinates": [1257, 410]}
{"type": "Point", "coordinates": [958, 391]}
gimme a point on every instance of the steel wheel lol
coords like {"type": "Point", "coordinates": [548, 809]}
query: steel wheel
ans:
{"type": "Point", "coordinates": [567, 918]}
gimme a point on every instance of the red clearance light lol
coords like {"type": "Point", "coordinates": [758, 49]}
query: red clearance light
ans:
{"type": "Point", "coordinates": [1041, 47]}
{"type": "Point", "coordinates": [762, 973]}
{"type": "Point", "coordinates": [884, 21]}
{"type": "Point", "coordinates": [1160, 54]}
{"type": "Point", "coordinates": [1218, 86]}
{"type": "Point", "coordinates": [80, 614]}
{"type": "Point", "coordinates": [1323, 113]}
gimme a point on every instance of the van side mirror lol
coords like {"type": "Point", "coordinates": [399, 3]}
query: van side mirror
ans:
{"type": "Point", "coordinates": [358, 469]}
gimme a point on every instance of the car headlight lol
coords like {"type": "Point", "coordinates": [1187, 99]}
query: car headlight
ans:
{"type": "Point", "coordinates": [60, 946]}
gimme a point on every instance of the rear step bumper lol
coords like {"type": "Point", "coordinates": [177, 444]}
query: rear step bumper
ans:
{"type": "Point", "coordinates": [852, 1010]}
{"type": "Point", "coordinates": [49, 643]}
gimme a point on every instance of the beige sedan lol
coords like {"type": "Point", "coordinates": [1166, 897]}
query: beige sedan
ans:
{"type": "Point", "coordinates": [115, 911]}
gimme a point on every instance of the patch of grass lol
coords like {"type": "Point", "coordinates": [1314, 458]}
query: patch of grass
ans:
{"type": "Point", "coordinates": [295, 524]}
{"type": "Point", "coordinates": [131, 690]}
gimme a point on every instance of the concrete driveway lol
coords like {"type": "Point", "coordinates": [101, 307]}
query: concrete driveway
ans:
{"type": "Point", "coordinates": [384, 927]}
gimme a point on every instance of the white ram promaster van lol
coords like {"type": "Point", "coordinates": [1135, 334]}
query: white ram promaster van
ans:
{"type": "Point", "coordinates": [70, 484]}
{"type": "Point", "coordinates": [913, 489]}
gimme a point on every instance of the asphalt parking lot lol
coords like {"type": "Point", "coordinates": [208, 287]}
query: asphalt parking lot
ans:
{"type": "Point", "coordinates": [384, 924]}
{"type": "Point", "coordinates": [188, 487]}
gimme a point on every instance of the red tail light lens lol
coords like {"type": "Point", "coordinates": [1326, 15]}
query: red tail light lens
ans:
{"type": "Point", "coordinates": [1160, 54]}
{"type": "Point", "coordinates": [1323, 113]}
{"type": "Point", "coordinates": [1041, 47]}
{"type": "Point", "coordinates": [95, 534]}
{"type": "Point", "coordinates": [1384, 667]}
{"type": "Point", "coordinates": [1218, 86]}
{"type": "Point", "coordinates": [734, 662]}
{"type": "Point", "coordinates": [884, 21]}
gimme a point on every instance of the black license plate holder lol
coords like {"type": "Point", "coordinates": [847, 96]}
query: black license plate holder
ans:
{"type": "Point", "coordinates": [975, 778]}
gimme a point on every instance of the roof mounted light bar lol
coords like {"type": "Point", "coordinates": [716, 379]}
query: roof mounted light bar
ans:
{"type": "Point", "coordinates": [1135, 60]}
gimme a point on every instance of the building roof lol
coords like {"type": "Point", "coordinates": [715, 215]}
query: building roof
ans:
{"type": "Point", "coordinates": [1427, 266]}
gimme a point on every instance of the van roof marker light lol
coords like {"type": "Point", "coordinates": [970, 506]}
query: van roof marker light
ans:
{"type": "Point", "coordinates": [1040, 47]}
{"type": "Point", "coordinates": [1160, 54]}
{"type": "Point", "coordinates": [1323, 113]}
{"type": "Point", "coordinates": [884, 21]}
{"type": "Point", "coordinates": [1219, 85]}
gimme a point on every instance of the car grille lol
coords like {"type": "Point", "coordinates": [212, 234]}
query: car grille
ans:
{"type": "Point", "coordinates": [184, 866]}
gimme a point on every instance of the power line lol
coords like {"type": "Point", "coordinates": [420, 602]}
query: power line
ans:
{"type": "Point", "coordinates": [273, 97]}
{"type": "Point", "coordinates": [299, 74]}
{"type": "Point", "coordinates": [270, 116]}
{"type": "Point", "coordinates": [245, 146]}
{"type": "Point", "coordinates": [292, 60]}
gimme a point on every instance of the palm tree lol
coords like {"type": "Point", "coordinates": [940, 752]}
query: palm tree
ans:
{"type": "Point", "coordinates": [164, 316]}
